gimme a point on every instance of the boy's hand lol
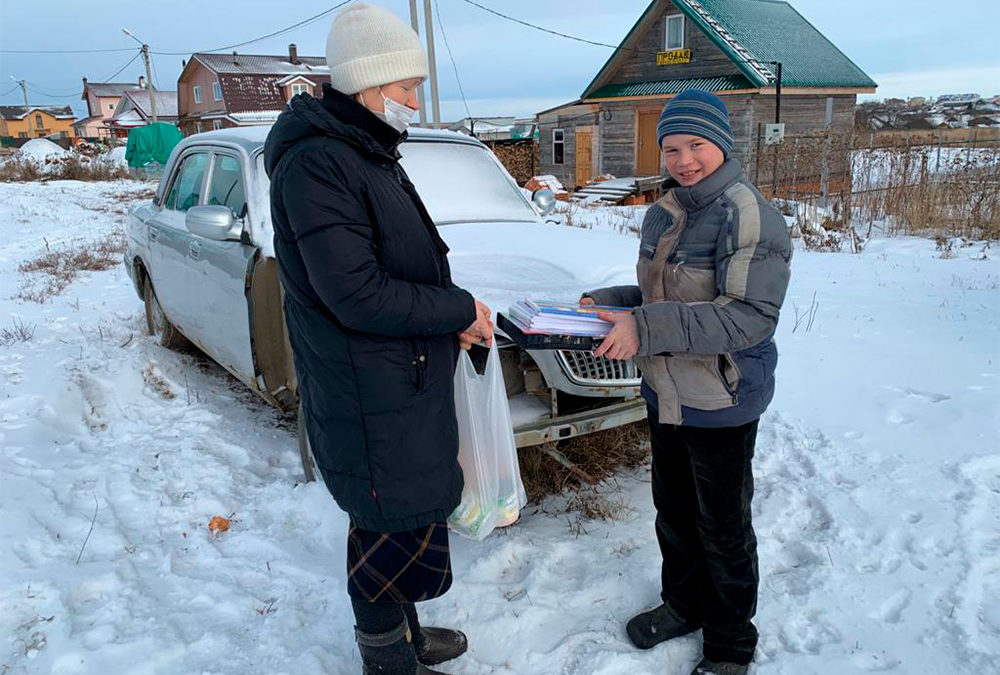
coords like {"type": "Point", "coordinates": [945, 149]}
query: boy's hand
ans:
{"type": "Point", "coordinates": [622, 342]}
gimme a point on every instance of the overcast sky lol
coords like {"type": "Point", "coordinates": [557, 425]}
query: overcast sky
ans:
{"type": "Point", "coordinates": [910, 47]}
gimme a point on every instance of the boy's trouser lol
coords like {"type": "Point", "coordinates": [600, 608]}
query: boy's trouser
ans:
{"type": "Point", "coordinates": [702, 488]}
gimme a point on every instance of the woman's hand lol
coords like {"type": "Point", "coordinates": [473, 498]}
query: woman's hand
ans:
{"type": "Point", "coordinates": [622, 342]}
{"type": "Point", "coordinates": [480, 332]}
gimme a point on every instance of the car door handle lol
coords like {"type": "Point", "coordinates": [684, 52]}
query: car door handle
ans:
{"type": "Point", "coordinates": [194, 248]}
{"type": "Point", "coordinates": [153, 233]}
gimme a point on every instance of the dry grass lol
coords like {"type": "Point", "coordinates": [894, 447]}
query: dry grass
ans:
{"type": "Point", "coordinates": [17, 332]}
{"type": "Point", "coordinates": [599, 455]}
{"type": "Point", "coordinates": [72, 167]}
{"type": "Point", "coordinates": [51, 272]}
{"type": "Point", "coordinates": [952, 190]}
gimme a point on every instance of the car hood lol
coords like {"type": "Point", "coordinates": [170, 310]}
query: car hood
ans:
{"type": "Point", "coordinates": [501, 263]}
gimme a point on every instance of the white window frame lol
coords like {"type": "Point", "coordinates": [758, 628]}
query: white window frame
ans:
{"type": "Point", "coordinates": [298, 88]}
{"type": "Point", "coordinates": [197, 94]}
{"type": "Point", "coordinates": [216, 91]}
{"type": "Point", "coordinates": [666, 31]}
{"type": "Point", "coordinates": [197, 127]}
{"type": "Point", "coordinates": [560, 141]}
{"type": "Point", "coordinates": [216, 125]}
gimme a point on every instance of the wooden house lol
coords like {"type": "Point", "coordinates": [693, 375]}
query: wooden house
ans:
{"type": "Point", "coordinates": [730, 47]}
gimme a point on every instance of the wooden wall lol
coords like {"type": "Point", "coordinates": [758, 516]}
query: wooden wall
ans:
{"type": "Point", "coordinates": [567, 119]}
{"type": "Point", "coordinates": [707, 60]}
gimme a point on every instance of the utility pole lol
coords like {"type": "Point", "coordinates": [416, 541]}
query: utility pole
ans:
{"type": "Point", "coordinates": [149, 82]}
{"type": "Point", "coordinates": [415, 23]}
{"type": "Point", "coordinates": [149, 74]}
{"type": "Point", "coordinates": [435, 103]}
{"type": "Point", "coordinates": [23, 84]}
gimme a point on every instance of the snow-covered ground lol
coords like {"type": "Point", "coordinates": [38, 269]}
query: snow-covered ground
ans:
{"type": "Point", "coordinates": [877, 507]}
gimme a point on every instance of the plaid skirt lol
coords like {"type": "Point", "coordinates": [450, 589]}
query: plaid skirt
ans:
{"type": "Point", "coordinates": [398, 566]}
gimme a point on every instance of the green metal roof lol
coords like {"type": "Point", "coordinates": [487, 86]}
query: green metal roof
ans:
{"type": "Point", "coordinates": [752, 33]}
{"type": "Point", "coordinates": [774, 31]}
{"type": "Point", "coordinates": [665, 87]}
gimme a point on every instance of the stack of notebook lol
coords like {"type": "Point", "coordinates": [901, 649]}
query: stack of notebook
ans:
{"type": "Point", "coordinates": [560, 318]}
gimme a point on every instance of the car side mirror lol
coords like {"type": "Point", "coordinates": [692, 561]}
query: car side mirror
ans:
{"type": "Point", "coordinates": [213, 222]}
{"type": "Point", "coordinates": [544, 200]}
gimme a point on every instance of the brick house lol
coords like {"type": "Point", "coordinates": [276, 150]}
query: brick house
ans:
{"type": "Point", "coordinates": [36, 121]}
{"type": "Point", "coordinates": [102, 100]}
{"type": "Point", "coordinates": [730, 47]}
{"type": "Point", "coordinates": [215, 91]}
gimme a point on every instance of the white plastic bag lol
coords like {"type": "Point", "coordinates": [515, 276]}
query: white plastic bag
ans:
{"type": "Point", "coordinates": [493, 494]}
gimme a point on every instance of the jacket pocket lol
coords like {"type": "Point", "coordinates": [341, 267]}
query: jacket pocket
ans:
{"type": "Point", "coordinates": [702, 382]}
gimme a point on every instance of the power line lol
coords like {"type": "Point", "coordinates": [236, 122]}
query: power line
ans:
{"type": "Point", "coordinates": [262, 37]}
{"type": "Point", "coordinates": [544, 30]}
{"type": "Point", "coordinates": [45, 93]}
{"type": "Point", "coordinates": [437, 9]}
{"type": "Point", "coordinates": [63, 51]}
{"type": "Point", "coordinates": [128, 63]}
{"type": "Point", "coordinates": [11, 90]}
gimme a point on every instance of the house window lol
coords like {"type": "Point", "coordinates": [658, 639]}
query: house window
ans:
{"type": "Point", "coordinates": [216, 91]}
{"type": "Point", "coordinates": [22, 134]}
{"type": "Point", "coordinates": [299, 89]}
{"type": "Point", "coordinates": [675, 32]}
{"type": "Point", "coordinates": [558, 146]}
{"type": "Point", "coordinates": [38, 121]}
{"type": "Point", "coordinates": [62, 134]}
{"type": "Point", "coordinates": [197, 127]}
{"type": "Point", "coordinates": [216, 125]}
{"type": "Point", "coordinates": [197, 95]}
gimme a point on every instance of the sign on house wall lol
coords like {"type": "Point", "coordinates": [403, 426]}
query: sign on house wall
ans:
{"type": "Point", "coordinates": [673, 56]}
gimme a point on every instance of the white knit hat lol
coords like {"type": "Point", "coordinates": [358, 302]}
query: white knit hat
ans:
{"type": "Point", "coordinates": [369, 46]}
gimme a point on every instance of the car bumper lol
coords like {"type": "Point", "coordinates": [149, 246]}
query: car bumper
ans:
{"type": "Point", "coordinates": [578, 424]}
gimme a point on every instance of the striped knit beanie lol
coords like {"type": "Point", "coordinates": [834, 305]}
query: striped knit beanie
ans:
{"type": "Point", "coordinates": [699, 113]}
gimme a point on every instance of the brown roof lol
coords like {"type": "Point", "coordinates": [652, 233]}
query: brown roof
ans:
{"type": "Point", "coordinates": [19, 112]}
{"type": "Point", "coordinates": [260, 64]}
{"type": "Point", "coordinates": [244, 93]}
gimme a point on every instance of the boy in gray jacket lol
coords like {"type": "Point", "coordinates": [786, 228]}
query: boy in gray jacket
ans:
{"type": "Point", "coordinates": [714, 264]}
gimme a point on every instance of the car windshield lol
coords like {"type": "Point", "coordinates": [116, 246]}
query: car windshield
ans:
{"type": "Point", "coordinates": [462, 183]}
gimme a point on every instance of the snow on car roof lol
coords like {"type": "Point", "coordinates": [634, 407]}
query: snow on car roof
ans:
{"type": "Point", "coordinates": [252, 138]}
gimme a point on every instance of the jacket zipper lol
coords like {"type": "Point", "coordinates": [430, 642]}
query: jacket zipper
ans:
{"type": "Point", "coordinates": [721, 368]}
{"type": "Point", "coordinates": [419, 361]}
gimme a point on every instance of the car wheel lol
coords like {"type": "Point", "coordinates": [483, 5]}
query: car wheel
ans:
{"type": "Point", "coordinates": [309, 466]}
{"type": "Point", "coordinates": [157, 322]}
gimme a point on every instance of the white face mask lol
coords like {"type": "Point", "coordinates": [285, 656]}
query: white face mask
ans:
{"type": "Point", "coordinates": [396, 115]}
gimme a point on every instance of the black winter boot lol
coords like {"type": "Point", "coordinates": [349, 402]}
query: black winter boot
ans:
{"type": "Point", "coordinates": [650, 628]}
{"type": "Point", "coordinates": [437, 645]}
{"type": "Point", "coordinates": [706, 667]}
{"type": "Point", "coordinates": [390, 653]}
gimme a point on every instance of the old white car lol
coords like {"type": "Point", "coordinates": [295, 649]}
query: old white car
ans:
{"type": "Point", "coordinates": [201, 257]}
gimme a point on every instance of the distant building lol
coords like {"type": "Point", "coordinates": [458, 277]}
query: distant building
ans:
{"type": "Point", "coordinates": [916, 102]}
{"type": "Point", "coordinates": [134, 110]}
{"type": "Point", "coordinates": [102, 100]}
{"type": "Point", "coordinates": [957, 100]}
{"type": "Point", "coordinates": [496, 128]}
{"type": "Point", "coordinates": [36, 121]}
{"type": "Point", "coordinates": [229, 90]}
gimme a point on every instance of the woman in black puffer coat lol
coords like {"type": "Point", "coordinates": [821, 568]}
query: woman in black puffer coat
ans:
{"type": "Point", "coordinates": [375, 324]}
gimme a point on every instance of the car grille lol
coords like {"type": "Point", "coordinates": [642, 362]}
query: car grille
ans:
{"type": "Point", "coordinates": [585, 369]}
